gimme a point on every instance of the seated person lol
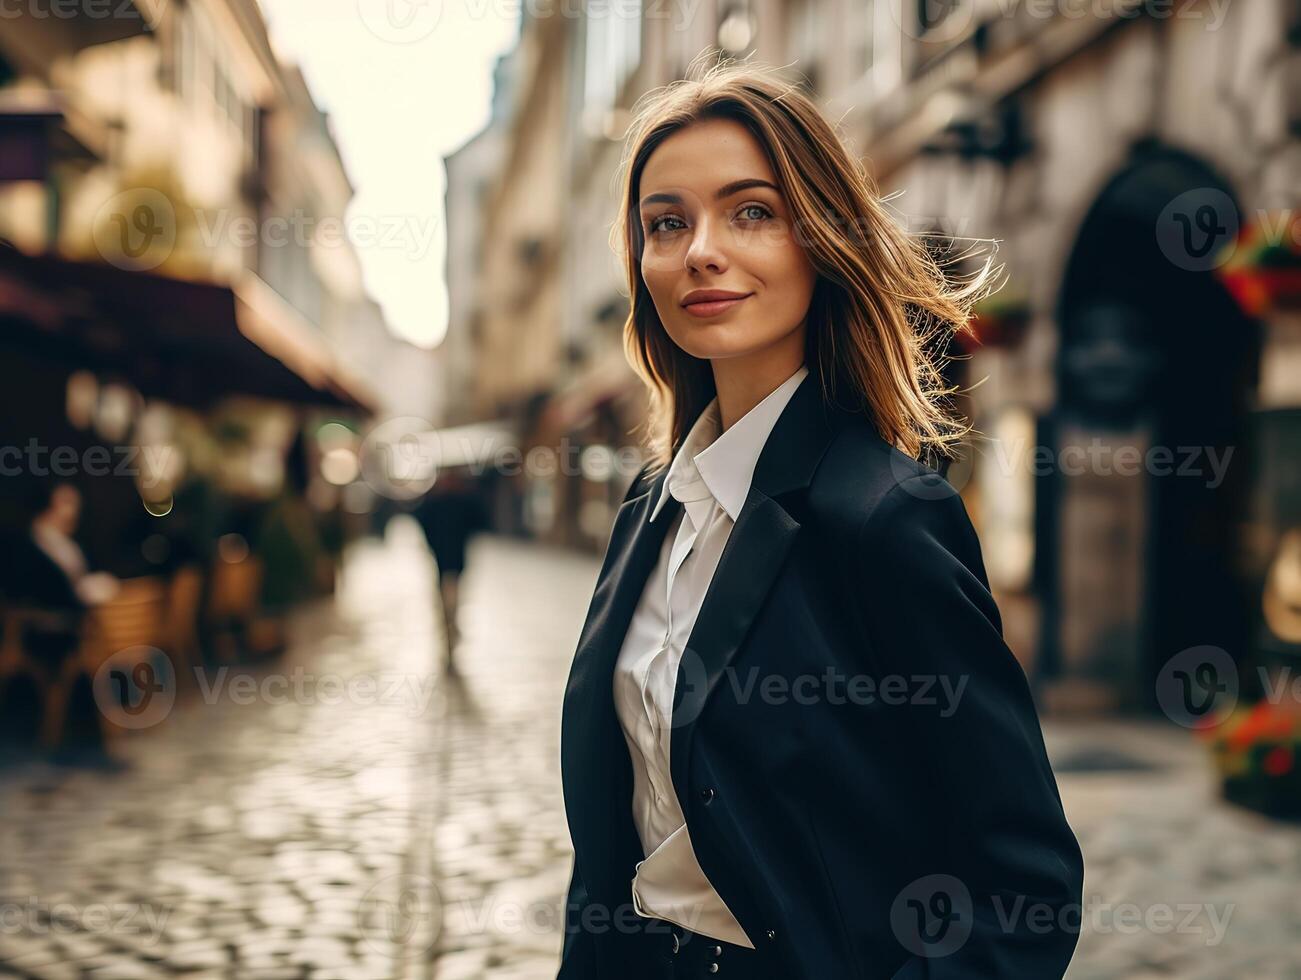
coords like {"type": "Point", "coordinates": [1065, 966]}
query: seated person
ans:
{"type": "Point", "coordinates": [45, 568]}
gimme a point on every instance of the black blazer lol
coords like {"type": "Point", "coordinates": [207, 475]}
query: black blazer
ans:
{"type": "Point", "coordinates": [855, 749]}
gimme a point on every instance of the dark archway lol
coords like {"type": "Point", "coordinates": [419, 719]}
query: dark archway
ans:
{"type": "Point", "coordinates": [1155, 352]}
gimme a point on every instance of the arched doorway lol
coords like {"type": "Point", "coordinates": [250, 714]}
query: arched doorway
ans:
{"type": "Point", "coordinates": [1155, 370]}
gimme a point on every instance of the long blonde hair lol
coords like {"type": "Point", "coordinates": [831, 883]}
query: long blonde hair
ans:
{"type": "Point", "coordinates": [881, 305]}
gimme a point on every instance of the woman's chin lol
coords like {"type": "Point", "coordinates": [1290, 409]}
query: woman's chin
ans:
{"type": "Point", "coordinates": [714, 341]}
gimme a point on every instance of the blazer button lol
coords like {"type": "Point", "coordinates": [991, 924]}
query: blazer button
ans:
{"type": "Point", "coordinates": [707, 794]}
{"type": "Point", "coordinates": [772, 934]}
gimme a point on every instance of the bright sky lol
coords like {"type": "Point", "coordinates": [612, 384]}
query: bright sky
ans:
{"type": "Point", "coordinates": [405, 82]}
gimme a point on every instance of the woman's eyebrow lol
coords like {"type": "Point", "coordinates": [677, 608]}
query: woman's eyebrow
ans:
{"type": "Point", "coordinates": [727, 190]}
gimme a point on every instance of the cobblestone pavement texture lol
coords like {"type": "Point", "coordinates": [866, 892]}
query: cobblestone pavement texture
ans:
{"type": "Point", "coordinates": [348, 812]}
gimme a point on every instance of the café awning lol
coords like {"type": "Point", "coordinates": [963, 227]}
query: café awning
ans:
{"type": "Point", "coordinates": [187, 342]}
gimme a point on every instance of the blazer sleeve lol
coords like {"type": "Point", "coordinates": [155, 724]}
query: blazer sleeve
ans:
{"type": "Point", "coordinates": [578, 954]}
{"type": "Point", "coordinates": [1011, 862]}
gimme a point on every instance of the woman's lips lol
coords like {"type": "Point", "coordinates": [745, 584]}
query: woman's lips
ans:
{"type": "Point", "coordinates": [714, 307]}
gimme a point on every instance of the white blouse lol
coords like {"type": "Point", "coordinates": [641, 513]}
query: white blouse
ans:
{"type": "Point", "coordinates": [710, 475]}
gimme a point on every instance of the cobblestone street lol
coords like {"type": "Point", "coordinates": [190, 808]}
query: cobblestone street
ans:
{"type": "Point", "coordinates": [1177, 883]}
{"type": "Point", "coordinates": [332, 815]}
{"type": "Point", "coordinates": [348, 812]}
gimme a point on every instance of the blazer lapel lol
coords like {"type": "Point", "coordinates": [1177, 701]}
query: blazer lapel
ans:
{"type": "Point", "coordinates": [595, 767]}
{"type": "Point", "coordinates": [765, 530]}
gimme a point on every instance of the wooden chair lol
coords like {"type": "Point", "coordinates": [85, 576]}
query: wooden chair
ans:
{"type": "Point", "coordinates": [146, 612]}
{"type": "Point", "coordinates": [25, 682]}
{"type": "Point", "coordinates": [133, 618]}
{"type": "Point", "coordinates": [234, 593]}
{"type": "Point", "coordinates": [179, 636]}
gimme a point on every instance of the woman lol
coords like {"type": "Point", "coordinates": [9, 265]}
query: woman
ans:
{"type": "Point", "coordinates": [794, 743]}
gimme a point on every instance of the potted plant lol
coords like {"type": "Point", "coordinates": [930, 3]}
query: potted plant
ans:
{"type": "Point", "coordinates": [1256, 749]}
{"type": "Point", "coordinates": [1263, 267]}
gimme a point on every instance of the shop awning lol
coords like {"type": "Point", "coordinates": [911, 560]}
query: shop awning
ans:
{"type": "Point", "coordinates": [190, 343]}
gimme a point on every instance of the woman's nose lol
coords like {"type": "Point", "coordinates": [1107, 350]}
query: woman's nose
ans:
{"type": "Point", "coordinates": [705, 250]}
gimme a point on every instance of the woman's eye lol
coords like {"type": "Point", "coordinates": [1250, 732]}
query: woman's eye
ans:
{"type": "Point", "coordinates": [657, 223]}
{"type": "Point", "coordinates": [748, 212]}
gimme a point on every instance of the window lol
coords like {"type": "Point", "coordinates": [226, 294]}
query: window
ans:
{"type": "Point", "coordinates": [862, 35]}
{"type": "Point", "coordinates": [185, 55]}
{"type": "Point", "coordinates": [886, 63]}
{"type": "Point", "coordinates": [202, 79]}
{"type": "Point", "coordinates": [251, 134]}
{"type": "Point", "coordinates": [804, 23]}
{"type": "Point", "coordinates": [234, 105]}
{"type": "Point", "coordinates": [612, 52]}
{"type": "Point", "coordinates": [220, 89]}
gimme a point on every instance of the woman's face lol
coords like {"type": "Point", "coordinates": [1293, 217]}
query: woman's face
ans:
{"type": "Point", "coordinates": [713, 219]}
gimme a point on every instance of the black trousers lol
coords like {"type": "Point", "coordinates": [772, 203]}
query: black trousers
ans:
{"type": "Point", "coordinates": [680, 953]}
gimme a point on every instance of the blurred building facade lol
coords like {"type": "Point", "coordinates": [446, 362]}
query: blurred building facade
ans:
{"type": "Point", "coordinates": [471, 178]}
{"type": "Point", "coordinates": [1079, 143]}
{"type": "Point", "coordinates": [173, 204]}
{"type": "Point", "coordinates": [1130, 500]}
{"type": "Point", "coordinates": [193, 119]}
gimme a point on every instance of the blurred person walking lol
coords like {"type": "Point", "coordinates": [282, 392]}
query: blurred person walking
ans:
{"type": "Point", "coordinates": [450, 513]}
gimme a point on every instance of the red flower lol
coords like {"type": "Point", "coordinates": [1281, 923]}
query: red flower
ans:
{"type": "Point", "coordinates": [1278, 760]}
{"type": "Point", "coordinates": [1256, 724]}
